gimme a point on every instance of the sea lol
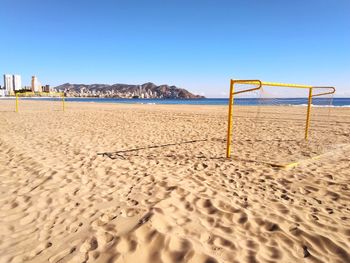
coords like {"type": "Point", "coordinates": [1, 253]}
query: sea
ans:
{"type": "Point", "coordinates": [321, 102]}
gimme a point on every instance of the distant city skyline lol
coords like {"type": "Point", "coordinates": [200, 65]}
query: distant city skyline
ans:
{"type": "Point", "coordinates": [12, 83]}
{"type": "Point", "coordinates": [196, 45]}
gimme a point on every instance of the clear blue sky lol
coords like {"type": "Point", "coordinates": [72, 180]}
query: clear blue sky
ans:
{"type": "Point", "coordinates": [197, 45]}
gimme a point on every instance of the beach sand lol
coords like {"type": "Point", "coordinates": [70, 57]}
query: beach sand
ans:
{"type": "Point", "coordinates": [150, 183]}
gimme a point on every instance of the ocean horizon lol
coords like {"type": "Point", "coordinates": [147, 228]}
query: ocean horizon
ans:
{"type": "Point", "coordinates": [320, 102]}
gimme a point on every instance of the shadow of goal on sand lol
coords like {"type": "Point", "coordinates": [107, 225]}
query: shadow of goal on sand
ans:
{"type": "Point", "coordinates": [124, 154]}
{"type": "Point", "coordinates": [119, 154]}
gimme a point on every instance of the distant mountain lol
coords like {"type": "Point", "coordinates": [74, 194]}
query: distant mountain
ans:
{"type": "Point", "coordinates": [147, 90]}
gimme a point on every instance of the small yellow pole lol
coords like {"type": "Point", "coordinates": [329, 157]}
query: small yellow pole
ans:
{"type": "Point", "coordinates": [16, 102]}
{"type": "Point", "coordinates": [229, 129]}
{"type": "Point", "coordinates": [308, 114]}
{"type": "Point", "coordinates": [63, 106]}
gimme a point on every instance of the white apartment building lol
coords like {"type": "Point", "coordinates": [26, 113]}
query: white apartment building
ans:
{"type": "Point", "coordinates": [17, 82]}
{"type": "Point", "coordinates": [8, 83]}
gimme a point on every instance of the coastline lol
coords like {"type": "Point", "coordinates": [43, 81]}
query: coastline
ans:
{"type": "Point", "coordinates": [336, 102]}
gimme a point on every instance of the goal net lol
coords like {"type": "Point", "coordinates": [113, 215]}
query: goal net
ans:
{"type": "Point", "coordinates": [43, 101]}
{"type": "Point", "coordinates": [279, 123]}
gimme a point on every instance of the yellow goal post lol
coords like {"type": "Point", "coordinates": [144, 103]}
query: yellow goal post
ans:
{"type": "Point", "coordinates": [257, 85]}
{"type": "Point", "coordinates": [40, 94]}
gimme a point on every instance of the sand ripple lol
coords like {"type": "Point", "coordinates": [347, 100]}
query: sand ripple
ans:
{"type": "Point", "coordinates": [63, 200]}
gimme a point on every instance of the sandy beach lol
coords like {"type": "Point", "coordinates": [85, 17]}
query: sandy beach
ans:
{"type": "Point", "coordinates": [150, 183]}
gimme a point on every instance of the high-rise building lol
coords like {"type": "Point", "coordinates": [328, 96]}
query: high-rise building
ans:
{"type": "Point", "coordinates": [35, 84]}
{"type": "Point", "coordinates": [8, 84]}
{"type": "Point", "coordinates": [46, 88]}
{"type": "Point", "coordinates": [17, 82]}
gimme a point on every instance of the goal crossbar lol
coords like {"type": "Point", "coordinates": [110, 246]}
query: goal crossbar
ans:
{"type": "Point", "coordinates": [258, 85]}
